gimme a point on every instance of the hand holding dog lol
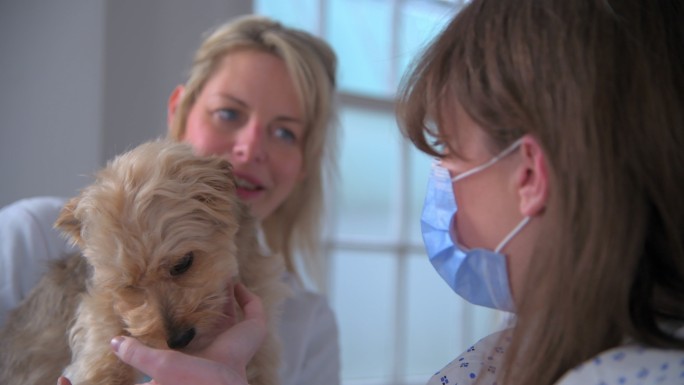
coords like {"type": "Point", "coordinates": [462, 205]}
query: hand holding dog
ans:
{"type": "Point", "coordinates": [223, 362]}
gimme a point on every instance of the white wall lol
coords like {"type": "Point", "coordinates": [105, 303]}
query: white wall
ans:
{"type": "Point", "coordinates": [84, 80]}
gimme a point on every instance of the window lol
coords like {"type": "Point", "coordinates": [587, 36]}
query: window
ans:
{"type": "Point", "coordinates": [399, 322]}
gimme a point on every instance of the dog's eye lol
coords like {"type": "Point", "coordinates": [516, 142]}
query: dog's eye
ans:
{"type": "Point", "coordinates": [183, 265]}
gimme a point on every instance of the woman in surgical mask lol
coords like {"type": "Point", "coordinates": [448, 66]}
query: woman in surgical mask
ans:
{"type": "Point", "coordinates": [558, 129]}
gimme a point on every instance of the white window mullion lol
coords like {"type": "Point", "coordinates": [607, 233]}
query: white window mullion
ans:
{"type": "Point", "coordinates": [321, 24]}
{"type": "Point", "coordinates": [400, 306]}
{"type": "Point", "coordinates": [404, 199]}
{"type": "Point", "coordinates": [397, 6]}
{"type": "Point", "coordinates": [401, 289]}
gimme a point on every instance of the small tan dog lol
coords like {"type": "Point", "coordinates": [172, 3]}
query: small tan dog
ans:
{"type": "Point", "coordinates": [163, 236]}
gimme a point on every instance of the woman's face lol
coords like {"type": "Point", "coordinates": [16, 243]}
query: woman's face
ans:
{"type": "Point", "coordinates": [249, 113]}
{"type": "Point", "coordinates": [488, 201]}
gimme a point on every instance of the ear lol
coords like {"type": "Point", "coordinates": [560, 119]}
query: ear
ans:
{"type": "Point", "coordinates": [533, 180]}
{"type": "Point", "coordinates": [174, 102]}
{"type": "Point", "coordinates": [217, 174]}
{"type": "Point", "coordinates": [68, 223]}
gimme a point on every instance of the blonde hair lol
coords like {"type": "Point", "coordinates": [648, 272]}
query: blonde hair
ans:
{"type": "Point", "coordinates": [296, 224]}
{"type": "Point", "coordinates": [600, 84]}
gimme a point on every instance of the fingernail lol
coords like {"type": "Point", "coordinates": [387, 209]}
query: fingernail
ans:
{"type": "Point", "coordinates": [116, 342]}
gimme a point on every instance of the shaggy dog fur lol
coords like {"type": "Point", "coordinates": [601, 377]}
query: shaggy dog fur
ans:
{"type": "Point", "coordinates": [162, 236]}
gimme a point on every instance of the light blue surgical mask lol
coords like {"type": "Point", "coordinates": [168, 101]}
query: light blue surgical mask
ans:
{"type": "Point", "coordinates": [478, 275]}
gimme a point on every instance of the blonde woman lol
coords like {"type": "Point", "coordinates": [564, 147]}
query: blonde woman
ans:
{"type": "Point", "coordinates": [261, 95]}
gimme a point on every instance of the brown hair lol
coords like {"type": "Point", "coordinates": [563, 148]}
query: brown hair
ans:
{"type": "Point", "coordinates": [600, 84]}
{"type": "Point", "coordinates": [296, 224]}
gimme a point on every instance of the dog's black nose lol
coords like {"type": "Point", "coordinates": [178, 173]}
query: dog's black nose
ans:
{"type": "Point", "coordinates": [181, 339]}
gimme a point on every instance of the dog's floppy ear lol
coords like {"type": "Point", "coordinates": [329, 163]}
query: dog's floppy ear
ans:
{"type": "Point", "coordinates": [68, 223]}
{"type": "Point", "coordinates": [219, 178]}
{"type": "Point", "coordinates": [226, 169]}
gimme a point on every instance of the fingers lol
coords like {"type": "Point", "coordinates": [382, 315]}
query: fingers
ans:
{"type": "Point", "coordinates": [158, 364]}
{"type": "Point", "coordinates": [231, 312]}
{"type": "Point", "coordinates": [170, 367]}
{"type": "Point", "coordinates": [225, 359]}
{"type": "Point", "coordinates": [239, 343]}
{"type": "Point", "coordinates": [230, 308]}
{"type": "Point", "coordinates": [134, 353]}
{"type": "Point", "coordinates": [249, 302]}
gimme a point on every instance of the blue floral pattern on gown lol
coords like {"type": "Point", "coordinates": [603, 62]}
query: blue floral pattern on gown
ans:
{"type": "Point", "coordinates": [630, 364]}
{"type": "Point", "coordinates": [479, 363]}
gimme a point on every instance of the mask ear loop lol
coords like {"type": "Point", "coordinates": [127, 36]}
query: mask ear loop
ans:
{"type": "Point", "coordinates": [512, 234]}
{"type": "Point", "coordinates": [483, 166]}
{"type": "Point", "coordinates": [490, 162]}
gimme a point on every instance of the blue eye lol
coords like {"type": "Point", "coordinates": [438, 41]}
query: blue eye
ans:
{"type": "Point", "coordinates": [228, 114]}
{"type": "Point", "coordinates": [285, 134]}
